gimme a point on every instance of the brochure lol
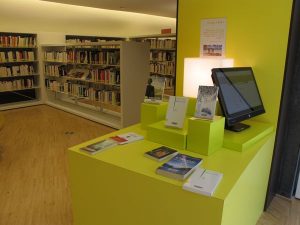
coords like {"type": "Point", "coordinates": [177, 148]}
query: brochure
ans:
{"type": "Point", "coordinates": [176, 111]}
{"type": "Point", "coordinates": [206, 102]}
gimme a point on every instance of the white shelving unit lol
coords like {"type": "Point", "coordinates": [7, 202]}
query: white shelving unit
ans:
{"type": "Point", "coordinates": [19, 70]}
{"type": "Point", "coordinates": [162, 58]}
{"type": "Point", "coordinates": [110, 92]}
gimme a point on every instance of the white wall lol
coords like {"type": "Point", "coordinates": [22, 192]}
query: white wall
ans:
{"type": "Point", "coordinates": [59, 19]}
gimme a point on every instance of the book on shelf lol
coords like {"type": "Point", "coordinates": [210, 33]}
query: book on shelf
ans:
{"type": "Point", "coordinates": [161, 153]}
{"type": "Point", "coordinates": [206, 102]}
{"type": "Point", "coordinates": [161, 43]}
{"type": "Point", "coordinates": [55, 70]}
{"type": "Point", "coordinates": [8, 40]}
{"type": "Point", "coordinates": [179, 167]}
{"type": "Point", "coordinates": [55, 56]}
{"type": "Point", "coordinates": [17, 84]}
{"type": "Point", "coordinates": [99, 146]}
{"type": "Point", "coordinates": [20, 70]}
{"type": "Point", "coordinates": [83, 74]}
{"type": "Point", "coordinates": [176, 111]}
{"type": "Point", "coordinates": [106, 76]}
{"type": "Point", "coordinates": [155, 90]}
{"type": "Point", "coordinates": [126, 138]}
{"type": "Point", "coordinates": [203, 181]}
{"type": "Point", "coordinates": [164, 68]}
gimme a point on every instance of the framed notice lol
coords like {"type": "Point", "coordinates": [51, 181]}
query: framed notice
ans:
{"type": "Point", "coordinates": [213, 37]}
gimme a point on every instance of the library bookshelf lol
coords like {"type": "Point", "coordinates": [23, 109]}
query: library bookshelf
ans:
{"type": "Point", "coordinates": [75, 39]}
{"type": "Point", "coordinates": [162, 58]}
{"type": "Point", "coordinates": [101, 81]}
{"type": "Point", "coordinates": [19, 70]}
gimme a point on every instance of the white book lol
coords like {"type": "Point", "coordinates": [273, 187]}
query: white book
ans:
{"type": "Point", "coordinates": [176, 111]}
{"type": "Point", "coordinates": [203, 181]}
{"type": "Point", "coordinates": [206, 102]}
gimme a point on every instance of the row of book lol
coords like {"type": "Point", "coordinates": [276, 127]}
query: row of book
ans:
{"type": "Point", "coordinates": [21, 70]}
{"type": "Point", "coordinates": [162, 56]}
{"type": "Point", "coordinates": [91, 47]}
{"type": "Point", "coordinates": [163, 68]}
{"type": "Point", "coordinates": [160, 82]}
{"type": "Point", "coordinates": [17, 41]}
{"type": "Point", "coordinates": [55, 70]}
{"type": "Point", "coordinates": [161, 43]}
{"type": "Point", "coordinates": [12, 56]}
{"type": "Point", "coordinates": [18, 84]}
{"type": "Point", "coordinates": [79, 40]}
{"type": "Point", "coordinates": [57, 56]}
{"type": "Point", "coordinates": [106, 76]}
{"type": "Point", "coordinates": [94, 57]}
{"type": "Point", "coordinates": [104, 96]}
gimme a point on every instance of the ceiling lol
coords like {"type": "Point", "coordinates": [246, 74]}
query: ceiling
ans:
{"type": "Point", "coordinates": [166, 8]}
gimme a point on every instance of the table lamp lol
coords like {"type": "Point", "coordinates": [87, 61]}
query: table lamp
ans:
{"type": "Point", "coordinates": [197, 71]}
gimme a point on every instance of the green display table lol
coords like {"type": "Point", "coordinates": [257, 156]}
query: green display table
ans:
{"type": "Point", "coordinates": [119, 186]}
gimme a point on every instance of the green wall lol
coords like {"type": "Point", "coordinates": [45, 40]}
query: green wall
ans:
{"type": "Point", "coordinates": [257, 36]}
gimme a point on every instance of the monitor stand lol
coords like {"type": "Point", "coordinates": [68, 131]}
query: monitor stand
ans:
{"type": "Point", "coordinates": [238, 127]}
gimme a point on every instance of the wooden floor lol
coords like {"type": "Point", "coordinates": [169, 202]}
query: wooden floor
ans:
{"type": "Point", "coordinates": [281, 212]}
{"type": "Point", "coordinates": [33, 169]}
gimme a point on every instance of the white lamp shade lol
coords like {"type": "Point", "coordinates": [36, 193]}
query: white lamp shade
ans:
{"type": "Point", "coordinates": [197, 71]}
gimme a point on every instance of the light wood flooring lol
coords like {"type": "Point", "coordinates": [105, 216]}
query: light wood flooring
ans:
{"type": "Point", "coordinates": [281, 212]}
{"type": "Point", "coordinates": [33, 169]}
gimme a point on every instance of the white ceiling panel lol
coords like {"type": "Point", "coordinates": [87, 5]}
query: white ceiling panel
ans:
{"type": "Point", "coordinates": [166, 8]}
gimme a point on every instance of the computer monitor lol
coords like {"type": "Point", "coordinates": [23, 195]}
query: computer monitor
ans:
{"type": "Point", "coordinates": [239, 97]}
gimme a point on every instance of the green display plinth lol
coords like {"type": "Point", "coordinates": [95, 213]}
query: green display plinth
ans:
{"type": "Point", "coordinates": [240, 141]}
{"type": "Point", "coordinates": [172, 137]}
{"type": "Point", "coordinates": [205, 136]}
{"type": "Point", "coordinates": [191, 107]}
{"type": "Point", "coordinates": [152, 113]}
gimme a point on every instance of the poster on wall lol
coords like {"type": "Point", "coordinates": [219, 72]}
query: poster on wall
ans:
{"type": "Point", "coordinates": [213, 37]}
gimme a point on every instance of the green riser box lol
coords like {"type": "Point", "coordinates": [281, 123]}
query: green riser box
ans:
{"type": "Point", "coordinates": [205, 136]}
